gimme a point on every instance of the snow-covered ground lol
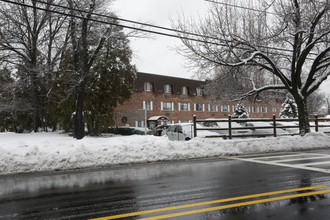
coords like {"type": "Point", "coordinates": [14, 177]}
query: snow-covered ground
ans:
{"type": "Point", "coordinates": [52, 151]}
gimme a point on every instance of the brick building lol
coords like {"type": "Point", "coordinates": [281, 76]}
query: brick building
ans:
{"type": "Point", "coordinates": [160, 99]}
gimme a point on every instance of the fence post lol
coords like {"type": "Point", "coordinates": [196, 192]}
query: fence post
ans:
{"type": "Point", "coordinates": [229, 127]}
{"type": "Point", "coordinates": [274, 125]}
{"type": "Point", "coordinates": [194, 123]}
{"type": "Point", "coordinates": [316, 123]}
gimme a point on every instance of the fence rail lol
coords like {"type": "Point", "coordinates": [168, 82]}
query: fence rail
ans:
{"type": "Point", "coordinates": [277, 128]}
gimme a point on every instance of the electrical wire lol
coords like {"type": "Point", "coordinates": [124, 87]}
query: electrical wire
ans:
{"type": "Point", "coordinates": [153, 26]}
{"type": "Point", "coordinates": [135, 28]}
{"type": "Point", "coordinates": [241, 7]}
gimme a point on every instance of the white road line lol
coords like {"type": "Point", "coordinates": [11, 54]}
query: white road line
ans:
{"type": "Point", "coordinates": [293, 155]}
{"type": "Point", "coordinates": [285, 153]}
{"type": "Point", "coordinates": [297, 159]}
{"type": "Point", "coordinates": [313, 164]}
{"type": "Point", "coordinates": [297, 166]}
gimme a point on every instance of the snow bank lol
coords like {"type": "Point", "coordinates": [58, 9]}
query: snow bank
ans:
{"type": "Point", "coordinates": [50, 151]}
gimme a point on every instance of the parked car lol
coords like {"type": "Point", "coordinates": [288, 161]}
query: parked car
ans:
{"type": "Point", "coordinates": [234, 125]}
{"type": "Point", "coordinates": [185, 132]}
{"type": "Point", "coordinates": [158, 131]}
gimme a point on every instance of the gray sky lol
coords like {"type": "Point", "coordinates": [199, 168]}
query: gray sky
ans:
{"type": "Point", "coordinates": [157, 55]}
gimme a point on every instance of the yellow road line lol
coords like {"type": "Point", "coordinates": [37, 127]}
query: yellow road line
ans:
{"type": "Point", "coordinates": [234, 205]}
{"type": "Point", "coordinates": [208, 203]}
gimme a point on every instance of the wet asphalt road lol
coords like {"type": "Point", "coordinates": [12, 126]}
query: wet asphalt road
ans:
{"type": "Point", "coordinates": [113, 191]}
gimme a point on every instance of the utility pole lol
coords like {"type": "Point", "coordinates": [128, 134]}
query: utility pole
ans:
{"type": "Point", "coordinates": [328, 106]}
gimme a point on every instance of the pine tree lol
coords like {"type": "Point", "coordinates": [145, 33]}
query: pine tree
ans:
{"type": "Point", "coordinates": [289, 109]}
{"type": "Point", "coordinates": [240, 112]}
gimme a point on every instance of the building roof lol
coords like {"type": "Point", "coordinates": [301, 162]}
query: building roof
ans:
{"type": "Point", "coordinates": [158, 82]}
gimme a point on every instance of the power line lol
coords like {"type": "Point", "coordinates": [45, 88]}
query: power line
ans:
{"type": "Point", "coordinates": [159, 27]}
{"type": "Point", "coordinates": [148, 25]}
{"type": "Point", "coordinates": [122, 19]}
{"type": "Point", "coordinates": [108, 22]}
{"type": "Point", "coordinates": [241, 7]}
{"type": "Point", "coordinates": [135, 28]}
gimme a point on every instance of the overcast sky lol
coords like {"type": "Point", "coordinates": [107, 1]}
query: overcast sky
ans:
{"type": "Point", "coordinates": [157, 55]}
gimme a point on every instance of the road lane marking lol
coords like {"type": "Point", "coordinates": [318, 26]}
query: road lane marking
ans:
{"type": "Point", "coordinates": [209, 202]}
{"type": "Point", "coordinates": [297, 166]}
{"type": "Point", "coordinates": [275, 153]}
{"type": "Point", "coordinates": [314, 163]}
{"type": "Point", "coordinates": [297, 159]}
{"type": "Point", "coordinates": [290, 155]}
{"type": "Point", "coordinates": [234, 205]}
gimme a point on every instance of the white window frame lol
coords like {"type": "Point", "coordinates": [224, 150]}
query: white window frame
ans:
{"type": "Point", "coordinates": [147, 86]}
{"type": "Point", "coordinates": [167, 88]}
{"type": "Point", "coordinates": [255, 109]}
{"type": "Point", "coordinates": [216, 107]}
{"type": "Point", "coordinates": [145, 105]}
{"type": "Point", "coordinates": [162, 106]}
{"type": "Point", "coordinates": [195, 107]}
{"type": "Point", "coordinates": [274, 109]}
{"type": "Point", "coordinates": [139, 124]}
{"type": "Point", "coordinates": [181, 110]}
{"type": "Point", "coordinates": [263, 109]}
{"type": "Point", "coordinates": [199, 92]}
{"type": "Point", "coordinates": [223, 108]}
{"type": "Point", "coordinates": [184, 90]}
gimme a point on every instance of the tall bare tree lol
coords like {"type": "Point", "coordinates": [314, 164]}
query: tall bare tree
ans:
{"type": "Point", "coordinates": [84, 53]}
{"type": "Point", "coordinates": [30, 47]}
{"type": "Point", "coordinates": [289, 43]}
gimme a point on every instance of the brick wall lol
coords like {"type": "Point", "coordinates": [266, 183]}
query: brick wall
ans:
{"type": "Point", "coordinates": [175, 115]}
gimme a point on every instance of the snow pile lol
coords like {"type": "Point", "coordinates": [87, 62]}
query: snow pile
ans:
{"type": "Point", "coordinates": [51, 151]}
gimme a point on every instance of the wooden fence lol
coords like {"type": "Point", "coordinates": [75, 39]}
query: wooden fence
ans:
{"type": "Point", "coordinates": [257, 131]}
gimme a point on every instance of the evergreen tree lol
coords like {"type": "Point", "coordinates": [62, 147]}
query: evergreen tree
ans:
{"type": "Point", "coordinates": [110, 81]}
{"type": "Point", "coordinates": [240, 112]}
{"type": "Point", "coordinates": [289, 109]}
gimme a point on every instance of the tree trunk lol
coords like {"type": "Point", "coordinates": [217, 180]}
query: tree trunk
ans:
{"type": "Point", "coordinates": [78, 123]}
{"type": "Point", "coordinates": [304, 126]}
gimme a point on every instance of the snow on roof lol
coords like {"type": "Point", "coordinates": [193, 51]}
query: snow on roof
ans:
{"type": "Point", "coordinates": [155, 118]}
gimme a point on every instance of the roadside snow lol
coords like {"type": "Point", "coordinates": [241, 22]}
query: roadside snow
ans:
{"type": "Point", "coordinates": [21, 153]}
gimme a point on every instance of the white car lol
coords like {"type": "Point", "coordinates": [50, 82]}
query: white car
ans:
{"type": "Point", "coordinates": [185, 132]}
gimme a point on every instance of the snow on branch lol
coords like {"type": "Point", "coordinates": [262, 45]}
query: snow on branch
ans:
{"type": "Point", "coordinates": [256, 91]}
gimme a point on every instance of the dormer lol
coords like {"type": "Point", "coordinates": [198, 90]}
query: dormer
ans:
{"type": "Point", "coordinates": [148, 87]}
{"type": "Point", "coordinates": [168, 88]}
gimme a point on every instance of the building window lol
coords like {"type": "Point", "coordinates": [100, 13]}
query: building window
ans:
{"type": "Point", "coordinates": [148, 105]}
{"type": "Point", "coordinates": [199, 91]}
{"type": "Point", "coordinates": [274, 109]}
{"type": "Point", "coordinates": [147, 86]}
{"type": "Point", "coordinates": [263, 109]}
{"type": "Point", "coordinates": [167, 106]}
{"type": "Point", "coordinates": [225, 108]}
{"type": "Point", "coordinates": [139, 124]}
{"type": "Point", "coordinates": [213, 108]}
{"type": "Point", "coordinates": [167, 88]}
{"type": "Point", "coordinates": [255, 109]}
{"type": "Point", "coordinates": [184, 90]}
{"type": "Point", "coordinates": [184, 106]}
{"type": "Point", "coordinates": [199, 107]}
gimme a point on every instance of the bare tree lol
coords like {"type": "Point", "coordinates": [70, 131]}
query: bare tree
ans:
{"type": "Point", "coordinates": [30, 46]}
{"type": "Point", "coordinates": [290, 45]}
{"type": "Point", "coordinates": [316, 103]}
{"type": "Point", "coordinates": [84, 54]}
